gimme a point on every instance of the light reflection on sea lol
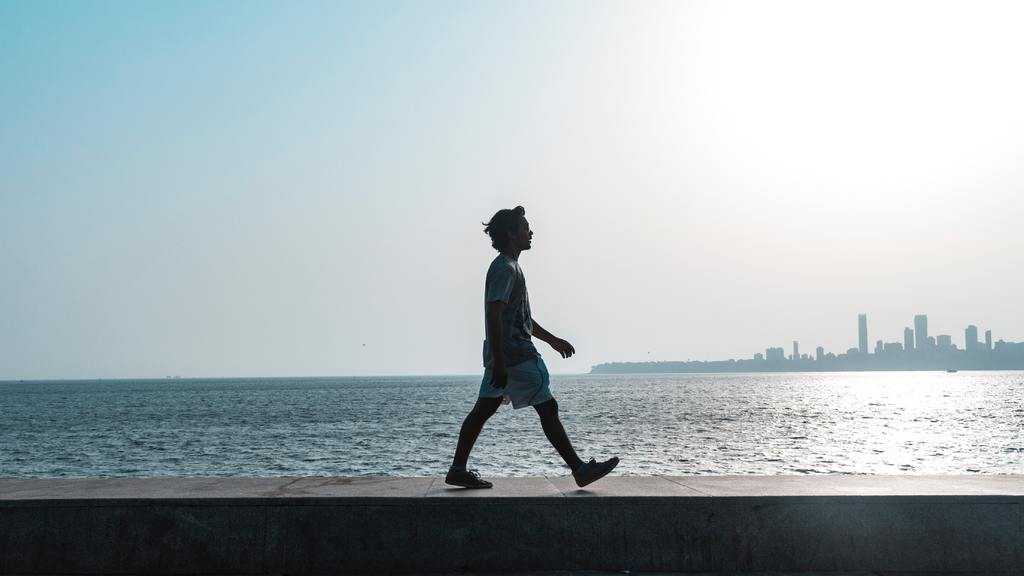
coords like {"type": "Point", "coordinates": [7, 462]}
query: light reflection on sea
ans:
{"type": "Point", "coordinates": [806, 423]}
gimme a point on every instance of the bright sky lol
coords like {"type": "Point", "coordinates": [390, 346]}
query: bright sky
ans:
{"type": "Point", "coordinates": [286, 188]}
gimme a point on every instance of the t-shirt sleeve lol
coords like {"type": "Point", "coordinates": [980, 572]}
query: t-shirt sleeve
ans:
{"type": "Point", "coordinates": [500, 281]}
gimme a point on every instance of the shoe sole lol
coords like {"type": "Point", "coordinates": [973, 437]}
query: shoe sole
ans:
{"type": "Point", "coordinates": [470, 487]}
{"type": "Point", "coordinates": [601, 475]}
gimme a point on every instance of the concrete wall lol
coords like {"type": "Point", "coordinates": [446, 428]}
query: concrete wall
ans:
{"type": "Point", "coordinates": [298, 533]}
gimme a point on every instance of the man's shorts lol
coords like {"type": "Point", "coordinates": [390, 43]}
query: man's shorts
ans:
{"type": "Point", "coordinates": [528, 384]}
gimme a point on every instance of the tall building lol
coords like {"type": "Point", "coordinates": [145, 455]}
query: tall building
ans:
{"type": "Point", "coordinates": [879, 346]}
{"type": "Point", "coordinates": [944, 341]}
{"type": "Point", "coordinates": [908, 340]}
{"type": "Point", "coordinates": [921, 331]}
{"type": "Point", "coordinates": [819, 353]}
{"type": "Point", "coordinates": [971, 338]}
{"type": "Point", "coordinates": [796, 350]}
{"type": "Point", "coordinates": [988, 340]}
{"type": "Point", "coordinates": [862, 333]}
{"type": "Point", "coordinates": [774, 354]}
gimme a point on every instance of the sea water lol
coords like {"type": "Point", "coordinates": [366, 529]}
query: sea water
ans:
{"type": "Point", "coordinates": [789, 423]}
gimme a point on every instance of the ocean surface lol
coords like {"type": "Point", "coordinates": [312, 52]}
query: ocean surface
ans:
{"type": "Point", "coordinates": [796, 423]}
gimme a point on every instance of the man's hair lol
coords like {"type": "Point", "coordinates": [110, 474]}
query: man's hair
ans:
{"type": "Point", "coordinates": [503, 222]}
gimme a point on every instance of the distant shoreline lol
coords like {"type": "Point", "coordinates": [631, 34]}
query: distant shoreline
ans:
{"type": "Point", "coordinates": [756, 366]}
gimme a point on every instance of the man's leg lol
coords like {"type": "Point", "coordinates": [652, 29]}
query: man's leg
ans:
{"type": "Point", "coordinates": [548, 412]}
{"type": "Point", "coordinates": [471, 427]}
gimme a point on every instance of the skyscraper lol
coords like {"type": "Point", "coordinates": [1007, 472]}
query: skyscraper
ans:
{"type": "Point", "coordinates": [988, 340]}
{"type": "Point", "coordinates": [862, 333]}
{"type": "Point", "coordinates": [971, 338]}
{"type": "Point", "coordinates": [819, 353]}
{"type": "Point", "coordinates": [921, 331]}
{"type": "Point", "coordinates": [796, 350]}
{"type": "Point", "coordinates": [908, 340]}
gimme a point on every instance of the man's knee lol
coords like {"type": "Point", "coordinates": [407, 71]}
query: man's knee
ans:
{"type": "Point", "coordinates": [485, 408]}
{"type": "Point", "coordinates": [547, 409]}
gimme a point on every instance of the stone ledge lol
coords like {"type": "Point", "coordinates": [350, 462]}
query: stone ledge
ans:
{"type": "Point", "coordinates": [379, 487]}
{"type": "Point", "coordinates": [321, 525]}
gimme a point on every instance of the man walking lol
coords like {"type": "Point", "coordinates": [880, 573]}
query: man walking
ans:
{"type": "Point", "coordinates": [513, 369]}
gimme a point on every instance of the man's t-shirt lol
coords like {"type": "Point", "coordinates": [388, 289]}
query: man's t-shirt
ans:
{"type": "Point", "coordinates": [506, 283]}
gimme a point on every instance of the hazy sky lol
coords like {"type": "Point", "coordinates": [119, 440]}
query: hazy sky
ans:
{"type": "Point", "coordinates": [221, 189]}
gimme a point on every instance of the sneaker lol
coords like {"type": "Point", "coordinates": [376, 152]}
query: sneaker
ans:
{"type": "Point", "coordinates": [593, 471]}
{"type": "Point", "coordinates": [466, 479]}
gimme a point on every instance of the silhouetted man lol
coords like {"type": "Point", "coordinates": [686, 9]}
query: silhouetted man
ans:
{"type": "Point", "coordinates": [513, 369]}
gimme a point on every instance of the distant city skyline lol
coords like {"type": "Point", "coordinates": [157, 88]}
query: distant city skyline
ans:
{"type": "Point", "coordinates": [915, 339]}
{"type": "Point", "coordinates": [917, 351]}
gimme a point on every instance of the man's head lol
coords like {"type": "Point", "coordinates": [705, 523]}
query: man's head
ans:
{"type": "Point", "coordinates": [509, 230]}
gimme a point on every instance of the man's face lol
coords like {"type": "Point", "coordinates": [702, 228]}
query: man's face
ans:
{"type": "Point", "coordinates": [522, 238]}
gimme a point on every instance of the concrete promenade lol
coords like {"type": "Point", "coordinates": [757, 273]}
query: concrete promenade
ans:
{"type": "Point", "coordinates": [325, 525]}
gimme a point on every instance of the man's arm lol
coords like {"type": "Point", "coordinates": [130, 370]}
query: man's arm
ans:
{"type": "Point", "coordinates": [560, 346]}
{"type": "Point", "coordinates": [494, 337]}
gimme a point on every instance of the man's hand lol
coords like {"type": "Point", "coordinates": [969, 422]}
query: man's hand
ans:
{"type": "Point", "coordinates": [500, 379]}
{"type": "Point", "coordinates": [562, 347]}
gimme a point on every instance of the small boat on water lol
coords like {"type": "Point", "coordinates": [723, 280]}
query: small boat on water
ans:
{"type": "Point", "coordinates": [951, 370]}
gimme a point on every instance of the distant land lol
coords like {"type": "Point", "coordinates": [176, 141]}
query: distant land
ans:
{"type": "Point", "coordinates": [917, 351]}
